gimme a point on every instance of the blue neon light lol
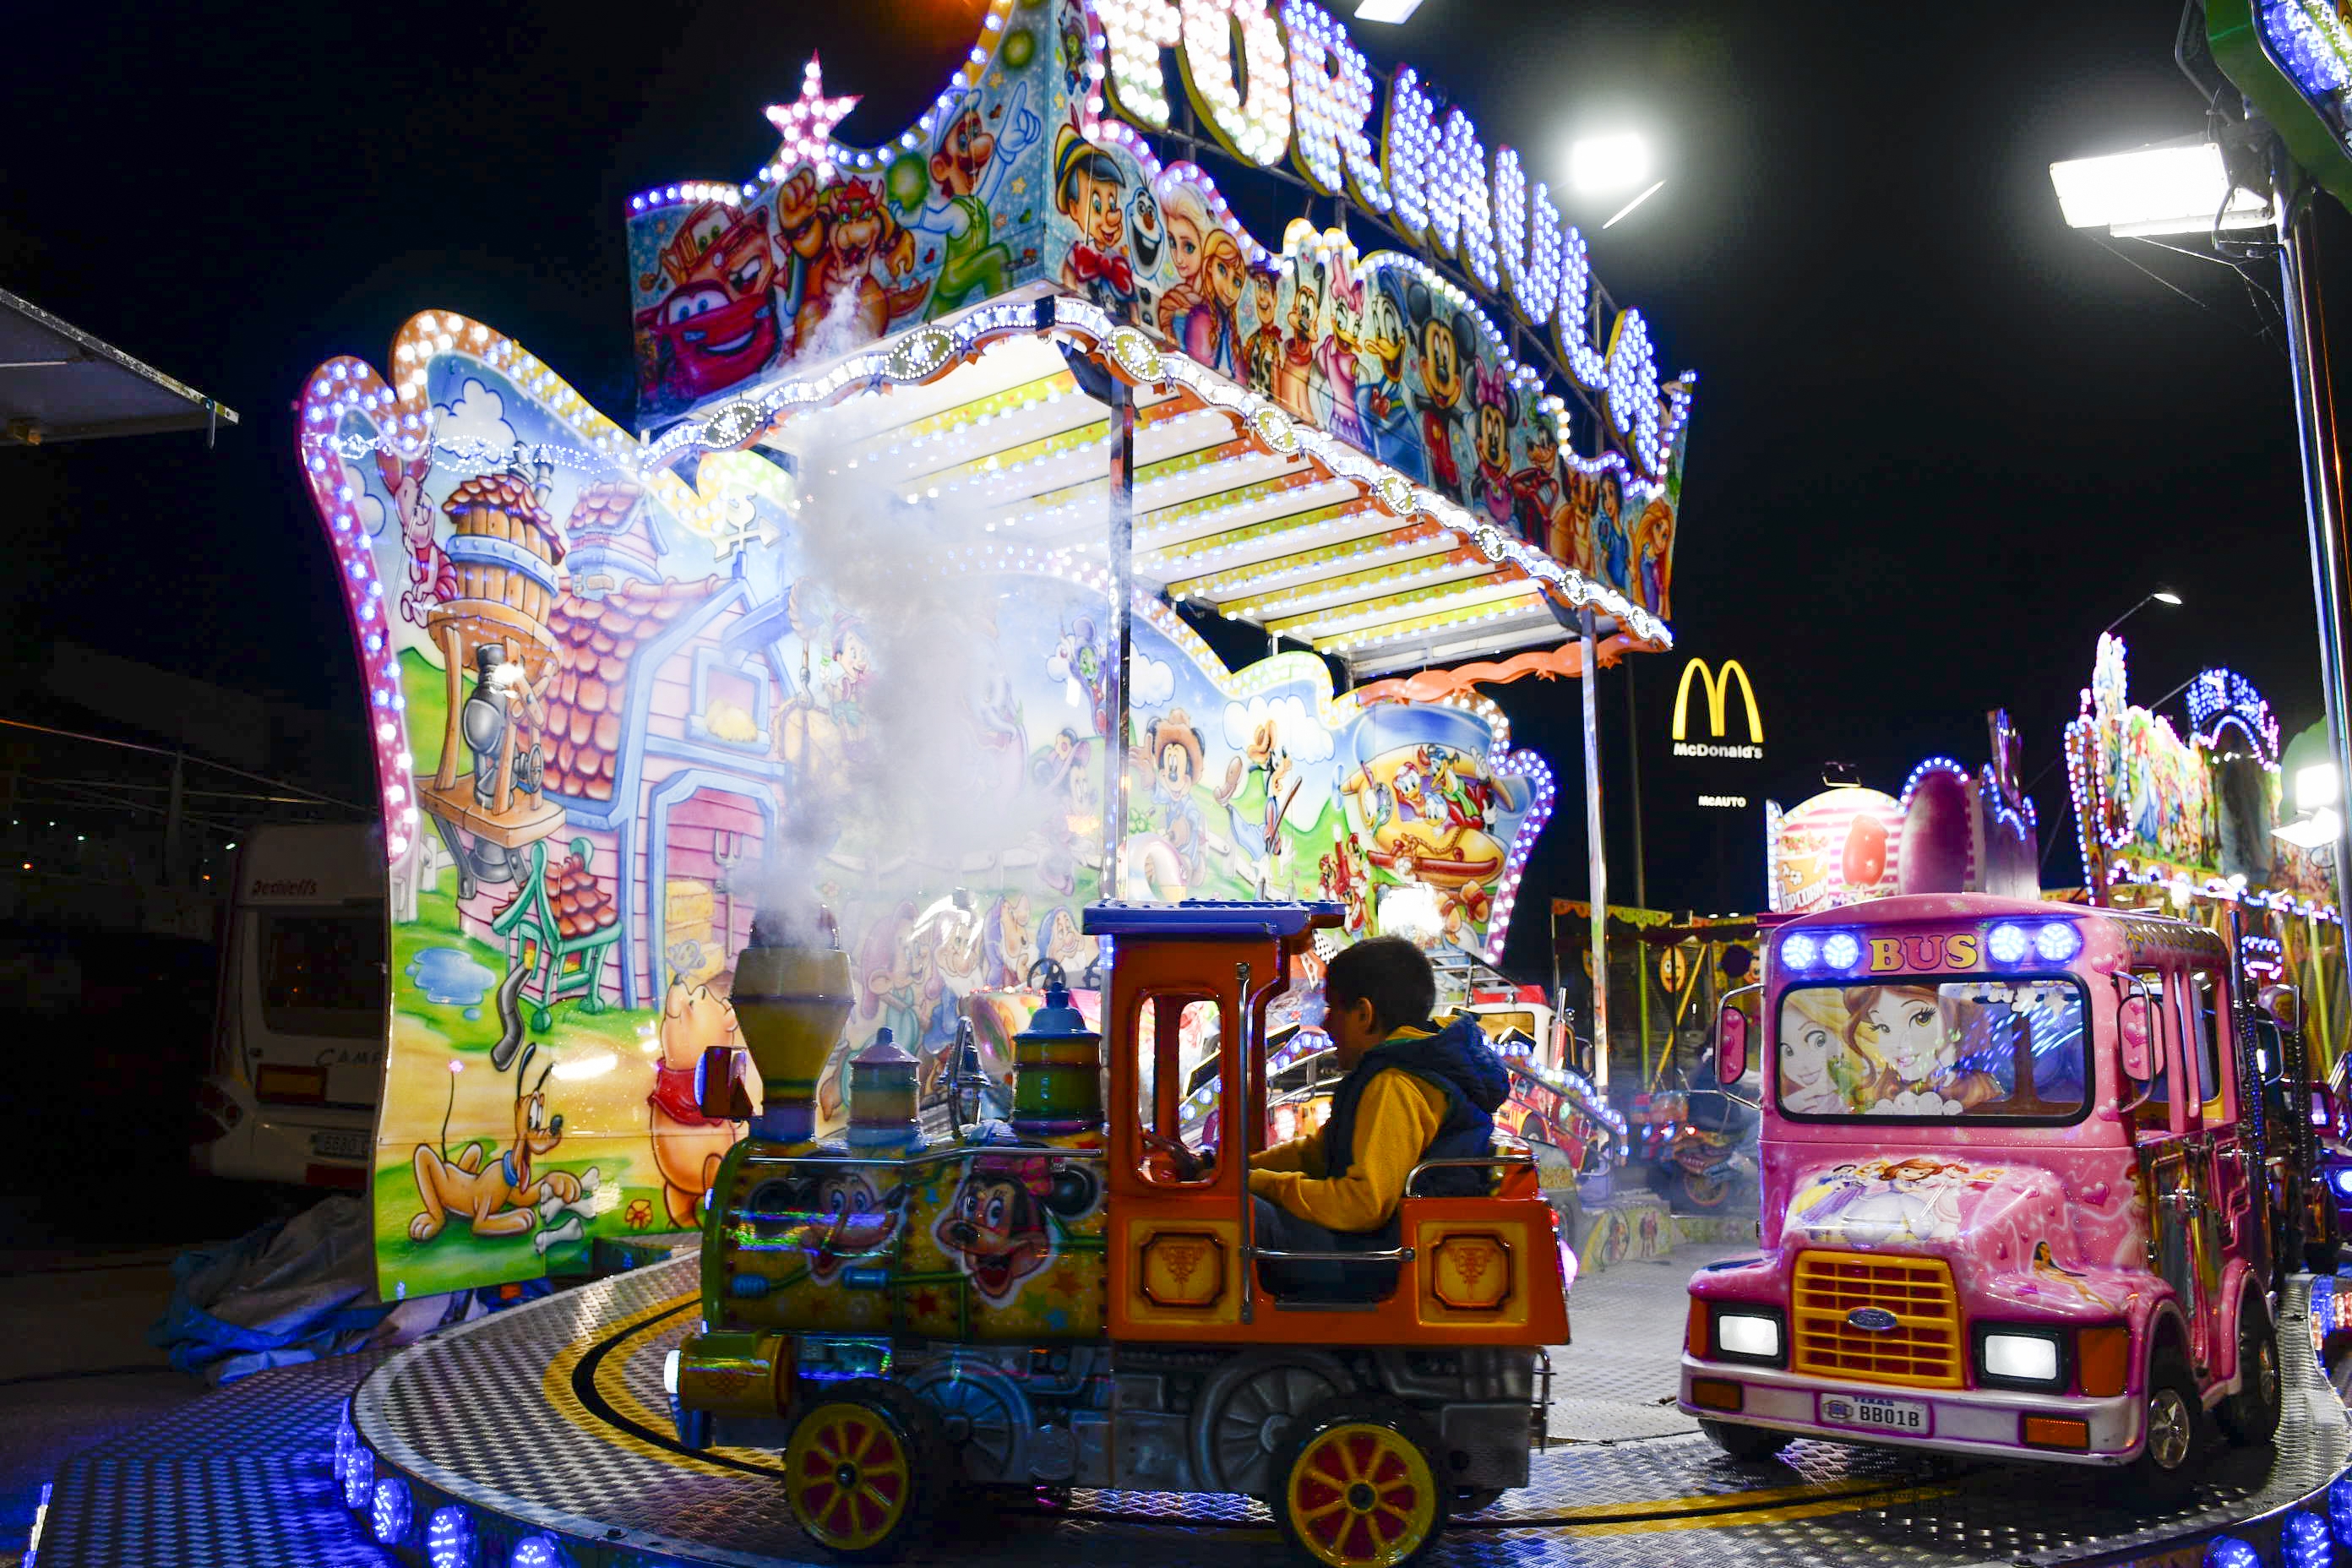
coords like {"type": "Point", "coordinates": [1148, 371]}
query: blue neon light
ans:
{"type": "Point", "coordinates": [536, 1552]}
{"type": "Point", "coordinates": [2006, 943]}
{"type": "Point", "coordinates": [450, 1539]}
{"type": "Point", "coordinates": [2304, 1543]}
{"type": "Point", "coordinates": [392, 1512]}
{"type": "Point", "coordinates": [1801, 950]}
{"type": "Point", "coordinates": [2058, 941]}
{"type": "Point", "coordinates": [2229, 1551]}
{"type": "Point", "coordinates": [359, 1479]}
{"type": "Point", "coordinates": [1842, 950]}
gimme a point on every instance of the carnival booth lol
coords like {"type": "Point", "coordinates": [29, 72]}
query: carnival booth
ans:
{"type": "Point", "coordinates": [842, 706]}
{"type": "Point", "coordinates": [872, 624]}
{"type": "Point", "coordinates": [2189, 828]}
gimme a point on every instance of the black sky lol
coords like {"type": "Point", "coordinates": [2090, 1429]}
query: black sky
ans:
{"type": "Point", "coordinates": [1939, 441]}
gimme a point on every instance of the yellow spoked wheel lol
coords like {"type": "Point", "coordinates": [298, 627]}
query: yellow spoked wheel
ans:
{"type": "Point", "coordinates": [852, 1474]}
{"type": "Point", "coordinates": [1358, 1491]}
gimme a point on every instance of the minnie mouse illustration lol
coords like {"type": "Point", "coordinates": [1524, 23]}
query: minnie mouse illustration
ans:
{"type": "Point", "coordinates": [1498, 403]}
{"type": "Point", "coordinates": [1000, 1227]}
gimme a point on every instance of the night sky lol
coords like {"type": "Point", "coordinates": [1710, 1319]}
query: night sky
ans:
{"type": "Point", "coordinates": [1940, 439]}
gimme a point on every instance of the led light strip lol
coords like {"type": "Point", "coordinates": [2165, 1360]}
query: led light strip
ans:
{"type": "Point", "coordinates": [1318, 627]}
{"type": "Point", "coordinates": [1436, 564]}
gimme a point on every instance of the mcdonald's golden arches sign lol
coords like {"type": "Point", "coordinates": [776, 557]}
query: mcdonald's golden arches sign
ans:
{"type": "Point", "coordinates": [1715, 686]}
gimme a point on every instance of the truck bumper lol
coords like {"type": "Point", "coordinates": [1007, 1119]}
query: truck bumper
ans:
{"type": "Point", "coordinates": [308, 1145]}
{"type": "Point", "coordinates": [1989, 1423]}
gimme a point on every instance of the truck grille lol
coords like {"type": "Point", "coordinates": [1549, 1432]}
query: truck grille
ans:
{"type": "Point", "coordinates": [1923, 1349]}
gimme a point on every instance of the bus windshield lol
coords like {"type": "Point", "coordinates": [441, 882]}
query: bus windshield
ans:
{"type": "Point", "coordinates": [2005, 1048]}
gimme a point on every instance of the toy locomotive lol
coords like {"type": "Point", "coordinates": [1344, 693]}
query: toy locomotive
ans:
{"type": "Point", "coordinates": [1072, 1298]}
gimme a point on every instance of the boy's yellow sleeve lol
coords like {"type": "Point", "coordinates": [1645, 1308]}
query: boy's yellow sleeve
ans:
{"type": "Point", "coordinates": [1395, 1122]}
{"type": "Point", "coordinates": [1303, 1155]}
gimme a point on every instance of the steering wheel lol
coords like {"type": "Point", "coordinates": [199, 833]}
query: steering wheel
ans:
{"type": "Point", "coordinates": [1045, 974]}
{"type": "Point", "coordinates": [1166, 1159]}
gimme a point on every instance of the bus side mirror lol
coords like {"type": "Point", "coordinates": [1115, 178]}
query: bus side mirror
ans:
{"type": "Point", "coordinates": [1730, 1045]}
{"type": "Point", "coordinates": [2140, 1062]}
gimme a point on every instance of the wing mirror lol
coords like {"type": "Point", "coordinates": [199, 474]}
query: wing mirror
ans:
{"type": "Point", "coordinates": [1730, 1045]}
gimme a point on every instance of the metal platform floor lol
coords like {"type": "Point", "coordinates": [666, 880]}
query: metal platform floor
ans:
{"type": "Point", "coordinates": [541, 1435]}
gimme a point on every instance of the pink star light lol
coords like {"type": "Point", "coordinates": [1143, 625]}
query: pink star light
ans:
{"type": "Point", "coordinates": [806, 124]}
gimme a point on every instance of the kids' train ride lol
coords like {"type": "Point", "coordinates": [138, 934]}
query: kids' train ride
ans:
{"type": "Point", "coordinates": [1075, 1298]}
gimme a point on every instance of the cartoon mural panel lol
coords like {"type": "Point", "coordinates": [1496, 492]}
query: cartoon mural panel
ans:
{"type": "Point", "coordinates": [626, 726]}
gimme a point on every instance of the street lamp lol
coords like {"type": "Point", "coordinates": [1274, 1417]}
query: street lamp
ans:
{"type": "Point", "coordinates": [2169, 187]}
{"type": "Point", "coordinates": [1612, 165]}
{"type": "Point", "coordinates": [2159, 190]}
{"type": "Point", "coordinates": [2161, 596]}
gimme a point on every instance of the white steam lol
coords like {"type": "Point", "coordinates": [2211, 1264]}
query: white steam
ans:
{"type": "Point", "coordinates": [930, 786]}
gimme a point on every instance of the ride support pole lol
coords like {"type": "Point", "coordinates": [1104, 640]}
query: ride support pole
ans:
{"type": "Point", "coordinates": [2314, 419]}
{"type": "Point", "coordinates": [1122, 594]}
{"type": "Point", "coordinates": [1595, 856]}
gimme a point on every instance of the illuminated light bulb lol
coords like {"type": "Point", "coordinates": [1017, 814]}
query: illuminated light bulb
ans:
{"type": "Point", "coordinates": [2058, 941]}
{"type": "Point", "coordinates": [2006, 943]}
{"type": "Point", "coordinates": [1842, 950]}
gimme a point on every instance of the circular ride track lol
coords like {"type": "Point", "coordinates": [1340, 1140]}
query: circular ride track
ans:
{"type": "Point", "coordinates": [550, 1420]}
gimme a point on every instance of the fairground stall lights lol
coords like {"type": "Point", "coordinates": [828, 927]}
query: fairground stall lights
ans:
{"type": "Point", "coordinates": [1310, 93]}
{"type": "Point", "coordinates": [1272, 431]}
{"type": "Point", "coordinates": [350, 412]}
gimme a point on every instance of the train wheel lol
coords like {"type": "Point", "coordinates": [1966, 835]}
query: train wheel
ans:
{"type": "Point", "coordinates": [862, 1470]}
{"type": "Point", "coordinates": [1358, 1488]}
{"type": "Point", "coordinates": [2250, 1416]}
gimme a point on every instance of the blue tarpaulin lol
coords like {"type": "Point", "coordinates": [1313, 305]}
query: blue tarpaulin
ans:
{"type": "Point", "coordinates": [293, 1290]}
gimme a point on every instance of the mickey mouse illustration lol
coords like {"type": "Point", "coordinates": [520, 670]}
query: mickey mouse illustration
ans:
{"type": "Point", "coordinates": [997, 1228]}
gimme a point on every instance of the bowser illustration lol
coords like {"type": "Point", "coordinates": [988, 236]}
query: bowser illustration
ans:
{"type": "Point", "coordinates": [968, 1331]}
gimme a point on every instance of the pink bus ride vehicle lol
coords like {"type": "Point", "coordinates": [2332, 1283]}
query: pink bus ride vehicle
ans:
{"type": "Point", "coordinates": [2014, 1193]}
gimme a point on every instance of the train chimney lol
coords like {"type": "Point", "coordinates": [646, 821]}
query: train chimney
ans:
{"type": "Point", "coordinates": [791, 1002]}
{"type": "Point", "coordinates": [1057, 1070]}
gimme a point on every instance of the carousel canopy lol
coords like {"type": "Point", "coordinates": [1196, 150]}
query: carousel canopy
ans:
{"type": "Point", "coordinates": [1315, 543]}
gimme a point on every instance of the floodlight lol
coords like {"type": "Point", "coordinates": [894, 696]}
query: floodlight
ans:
{"type": "Point", "coordinates": [1390, 11]}
{"type": "Point", "coordinates": [2316, 786]}
{"type": "Point", "coordinates": [2164, 597]}
{"type": "Point", "coordinates": [1603, 166]}
{"type": "Point", "coordinates": [2310, 831]}
{"type": "Point", "coordinates": [2171, 188]}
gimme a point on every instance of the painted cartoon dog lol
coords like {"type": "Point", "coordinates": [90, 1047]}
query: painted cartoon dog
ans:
{"type": "Point", "coordinates": [496, 1197]}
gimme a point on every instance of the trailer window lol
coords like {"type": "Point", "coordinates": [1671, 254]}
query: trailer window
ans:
{"type": "Point", "coordinates": [323, 974]}
{"type": "Point", "coordinates": [1931, 1047]}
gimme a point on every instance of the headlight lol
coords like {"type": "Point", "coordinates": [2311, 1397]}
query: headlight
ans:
{"type": "Point", "coordinates": [2020, 1357]}
{"type": "Point", "coordinates": [669, 1374]}
{"type": "Point", "coordinates": [1749, 1336]}
{"type": "Point", "coordinates": [2343, 1180]}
